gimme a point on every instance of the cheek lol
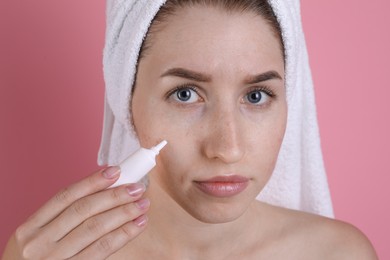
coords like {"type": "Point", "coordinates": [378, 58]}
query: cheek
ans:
{"type": "Point", "coordinates": [180, 129]}
{"type": "Point", "coordinates": [153, 125]}
{"type": "Point", "coordinates": [181, 132]}
{"type": "Point", "coordinates": [264, 146]}
{"type": "Point", "coordinates": [178, 163]}
{"type": "Point", "coordinates": [151, 122]}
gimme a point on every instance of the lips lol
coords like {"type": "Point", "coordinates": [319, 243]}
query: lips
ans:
{"type": "Point", "coordinates": [223, 186]}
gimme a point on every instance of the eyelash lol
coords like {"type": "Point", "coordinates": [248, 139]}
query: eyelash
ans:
{"type": "Point", "coordinates": [264, 89]}
{"type": "Point", "coordinates": [194, 88]}
{"type": "Point", "coordinates": [181, 87]}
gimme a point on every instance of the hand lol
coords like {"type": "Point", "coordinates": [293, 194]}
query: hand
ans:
{"type": "Point", "coordinates": [83, 221]}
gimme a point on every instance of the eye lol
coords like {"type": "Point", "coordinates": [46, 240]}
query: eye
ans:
{"type": "Point", "coordinates": [185, 95]}
{"type": "Point", "coordinates": [258, 97]}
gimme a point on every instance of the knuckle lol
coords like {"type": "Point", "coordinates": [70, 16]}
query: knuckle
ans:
{"type": "Point", "coordinates": [30, 246]}
{"type": "Point", "coordinates": [28, 251]}
{"type": "Point", "coordinates": [128, 209]}
{"type": "Point", "coordinates": [81, 207]}
{"type": "Point", "coordinates": [64, 196]}
{"type": "Point", "coordinates": [115, 194]}
{"type": "Point", "coordinates": [94, 226]}
{"type": "Point", "coordinates": [104, 245]}
{"type": "Point", "coordinates": [20, 233]}
{"type": "Point", "coordinates": [25, 253]}
{"type": "Point", "coordinates": [128, 231]}
{"type": "Point", "coordinates": [91, 181]}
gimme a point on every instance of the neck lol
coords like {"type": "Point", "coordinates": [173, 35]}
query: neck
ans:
{"type": "Point", "coordinates": [177, 233]}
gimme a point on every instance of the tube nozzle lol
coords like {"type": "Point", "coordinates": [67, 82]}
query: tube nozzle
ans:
{"type": "Point", "coordinates": [156, 149]}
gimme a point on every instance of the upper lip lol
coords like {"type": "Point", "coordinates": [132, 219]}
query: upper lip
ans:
{"type": "Point", "coordinates": [227, 179]}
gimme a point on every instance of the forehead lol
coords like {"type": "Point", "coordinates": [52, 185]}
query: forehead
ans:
{"type": "Point", "coordinates": [207, 36]}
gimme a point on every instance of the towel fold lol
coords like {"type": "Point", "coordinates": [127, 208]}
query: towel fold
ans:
{"type": "Point", "coordinates": [299, 180]}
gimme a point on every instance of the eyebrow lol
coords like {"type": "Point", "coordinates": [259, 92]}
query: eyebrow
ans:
{"type": "Point", "coordinates": [263, 77]}
{"type": "Point", "coordinates": [200, 77]}
{"type": "Point", "coordinates": [187, 74]}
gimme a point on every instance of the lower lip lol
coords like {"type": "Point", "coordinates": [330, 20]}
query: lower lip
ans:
{"type": "Point", "coordinates": [222, 189]}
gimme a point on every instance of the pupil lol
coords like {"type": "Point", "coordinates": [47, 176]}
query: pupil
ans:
{"type": "Point", "coordinates": [254, 97]}
{"type": "Point", "coordinates": [184, 95]}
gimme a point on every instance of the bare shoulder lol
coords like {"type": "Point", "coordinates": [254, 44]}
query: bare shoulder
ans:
{"type": "Point", "coordinates": [346, 241]}
{"type": "Point", "coordinates": [315, 237]}
{"type": "Point", "coordinates": [334, 239]}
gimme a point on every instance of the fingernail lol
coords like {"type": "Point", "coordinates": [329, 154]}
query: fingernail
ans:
{"type": "Point", "coordinates": [135, 189]}
{"type": "Point", "coordinates": [141, 220]}
{"type": "Point", "coordinates": [111, 172]}
{"type": "Point", "coordinates": [143, 203]}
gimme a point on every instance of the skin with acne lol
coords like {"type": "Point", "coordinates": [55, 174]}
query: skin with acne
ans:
{"type": "Point", "coordinates": [212, 84]}
{"type": "Point", "coordinates": [218, 131]}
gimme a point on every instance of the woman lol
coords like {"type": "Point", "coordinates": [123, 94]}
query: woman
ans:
{"type": "Point", "coordinates": [214, 78]}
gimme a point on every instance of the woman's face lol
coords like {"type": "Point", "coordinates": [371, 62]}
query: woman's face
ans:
{"type": "Point", "coordinates": [212, 85]}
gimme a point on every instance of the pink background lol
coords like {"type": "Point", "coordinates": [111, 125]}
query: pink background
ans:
{"type": "Point", "coordinates": [51, 103]}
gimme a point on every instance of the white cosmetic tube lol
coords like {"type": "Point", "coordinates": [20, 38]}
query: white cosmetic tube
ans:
{"type": "Point", "coordinates": [138, 164]}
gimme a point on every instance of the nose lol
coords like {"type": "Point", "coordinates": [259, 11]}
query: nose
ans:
{"type": "Point", "coordinates": [224, 139]}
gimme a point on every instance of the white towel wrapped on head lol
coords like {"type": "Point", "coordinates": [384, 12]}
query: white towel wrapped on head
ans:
{"type": "Point", "coordinates": [299, 180]}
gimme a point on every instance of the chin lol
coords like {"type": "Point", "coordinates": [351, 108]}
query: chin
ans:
{"type": "Point", "coordinates": [215, 212]}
